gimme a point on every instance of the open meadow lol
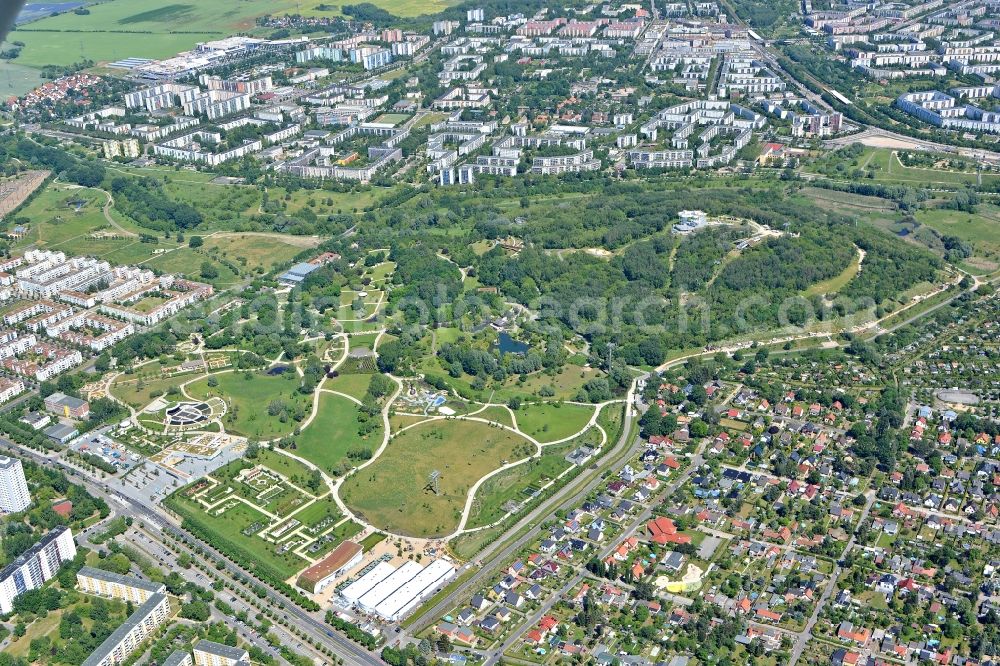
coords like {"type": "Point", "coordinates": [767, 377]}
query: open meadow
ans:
{"type": "Point", "coordinates": [462, 451]}
{"type": "Point", "coordinates": [333, 433]}
{"type": "Point", "coordinates": [260, 405]}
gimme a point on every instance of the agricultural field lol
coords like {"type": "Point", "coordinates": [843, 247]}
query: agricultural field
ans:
{"type": "Point", "coordinates": [462, 451]}
{"type": "Point", "coordinates": [20, 79]}
{"type": "Point", "coordinates": [145, 28]}
{"type": "Point", "coordinates": [260, 405]}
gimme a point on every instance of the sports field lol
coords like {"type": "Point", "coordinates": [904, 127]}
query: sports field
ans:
{"type": "Point", "coordinates": [462, 451]}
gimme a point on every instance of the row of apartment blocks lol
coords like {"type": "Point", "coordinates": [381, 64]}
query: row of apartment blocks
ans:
{"type": "Point", "coordinates": [506, 155]}
{"type": "Point", "coordinates": [954, 110]}
{"type": "Point", "coordinates": [891, 42]}
{"type": "Point", "coordinates": [81, 301]}
{"type": "Point", "coordinates": [221, 97]}
{"type": "Point", "coordinates": [327, 162]}
{"type": "Point", "coordinates": [153, 611]}
{"type": "Point", "coordinates": [720, 119]}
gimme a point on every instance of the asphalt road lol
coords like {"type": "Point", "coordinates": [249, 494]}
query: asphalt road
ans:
{"type": "Point", "coordinates": [350, 652]}
{"type": "Point", "coordinates": [696, 462]}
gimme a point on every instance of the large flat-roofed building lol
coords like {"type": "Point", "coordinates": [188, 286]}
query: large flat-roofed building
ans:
{"type": "Point", "coordinates": [116, 586]}
{"type": "Point", "coordinates": [297, 273]}
{"type": "Point", "coordinates": [317, 577]}
{"type": "Point", "coordinates": [209, 653]}
{"type": "Point", "coordinates": [14, 495]}
{"type": "Point", "coordinates": [359, 588]}
{"type": "Point", "coordinates": [137, 628]}
{"type": "Point", "coordinates": [391, 593]}
{"type": "Point", "coordinates": [35, 566]}
{"type": "Point", "coordinates": [67, 405]}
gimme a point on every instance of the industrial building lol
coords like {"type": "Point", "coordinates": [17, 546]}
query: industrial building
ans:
{"type": "Point", "coordinates": [317, 577]}
{"type": "Point", "coordinates": [393, 592]}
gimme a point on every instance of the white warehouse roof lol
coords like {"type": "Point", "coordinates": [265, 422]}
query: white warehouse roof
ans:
{"type": "Point", "coordinates": [395, 580]}
{"type": "Point", "coordinates": [407, 596]}
{"type": "Point", "coordinates": [361, 586]}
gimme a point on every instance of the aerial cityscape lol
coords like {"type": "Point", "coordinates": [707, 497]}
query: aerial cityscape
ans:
{"type": "Point", "coordinates": [480, 332]}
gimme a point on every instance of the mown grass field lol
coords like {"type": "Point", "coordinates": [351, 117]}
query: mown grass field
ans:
{"type": "Point", "coordinates": [549, 422]}
{"type": "Point", "coordinates": [327, 439]}
{"type": "Point", "coordinates": [249, 400]}
{"type": "Point", "coordinates": [462, 451]}
{"type": "Point", "coordinates": [353, 385]}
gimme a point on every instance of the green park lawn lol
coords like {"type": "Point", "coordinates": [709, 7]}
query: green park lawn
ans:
{"type": "Point", "coordinates": [353, 385]}
{"type": "Point", "coordinates": [327, 439]}
{"type": "Point", "coordinates": [549, 422]}
{"type": "Point", "coordinates": [462, 451]}
{"type": "Point", "coordinates": [249, 401]}
{"type": "Point", "coordinates": [63, 217]}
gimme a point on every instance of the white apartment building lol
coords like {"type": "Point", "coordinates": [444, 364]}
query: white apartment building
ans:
{"type": "Point", "coordinates": [210, 653]}
{"type": "Point", "coordinates": [35, 566]}
{"type": "Point", "coordinates": [136, 629]}
{"type": "Point", "coordinates": [116, 586]}
{"type": "Point", "coordinates": [10, 389]}
{"type": "Point", "coordinates": [14, 495]}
